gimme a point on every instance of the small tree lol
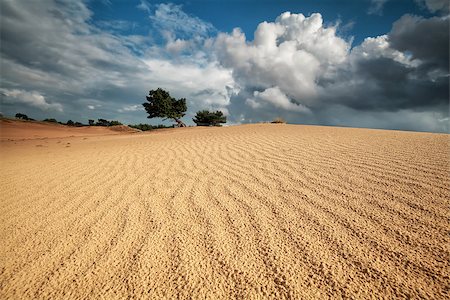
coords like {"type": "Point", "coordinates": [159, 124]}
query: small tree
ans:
{"type": "Point", "coordinates": [91, 122]}
{"type": "Point", "coordinates": [102, 122]}
{"type": "Point", "coordinates": [22, 116]}
{"type": "Point", "coordinates": [161, 105]}
{"type": "Point", "coordinates": [70, 123]}
{"type": "Point", "coordinates": [207, 118]}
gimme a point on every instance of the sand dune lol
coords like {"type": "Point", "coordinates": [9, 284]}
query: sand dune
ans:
{"type": "Point", "coordinates": [12, 130]}
{"type": "Point", "coordinates": [244, 212]}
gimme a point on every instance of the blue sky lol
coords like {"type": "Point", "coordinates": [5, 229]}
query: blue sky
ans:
{"type": "Point", "coordinates": [225, 15]}
{"type": "Point", "coordinates": [367, 63]}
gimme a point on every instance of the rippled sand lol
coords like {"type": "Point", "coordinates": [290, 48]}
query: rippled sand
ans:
{"type": "Point", "coordinates": [244, 212]}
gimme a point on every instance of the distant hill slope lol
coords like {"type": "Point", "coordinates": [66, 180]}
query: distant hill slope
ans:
{"type": "Point", "coordinates": [11, 129]}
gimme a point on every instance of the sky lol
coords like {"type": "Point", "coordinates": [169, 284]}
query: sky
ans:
{"type": "Point", "coordinates": [359, 63]}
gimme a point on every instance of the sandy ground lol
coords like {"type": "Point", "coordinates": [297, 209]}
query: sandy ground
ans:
{"type": "Point", "coordinates": [244, 212]}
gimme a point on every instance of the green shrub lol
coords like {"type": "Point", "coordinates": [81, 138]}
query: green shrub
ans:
{"type": "Point", "coordinates": [146, 127]}
{"type": "Point", "coordinates": [114, 123]}
{"type": "Point", "coordinates": [22, 116]}
{"type": "Point", "coordinates": [207, 118]}
{"type": "Point", "coordinates": [51, 120]}
{"type": "Point", "coordinates": [104, 122]}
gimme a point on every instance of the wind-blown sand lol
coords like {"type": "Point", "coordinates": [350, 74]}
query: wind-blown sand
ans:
{"type": "Point", "coordinates": [245, 212]}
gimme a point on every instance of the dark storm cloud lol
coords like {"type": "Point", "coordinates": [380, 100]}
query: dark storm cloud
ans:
{"type": "Point", "coordinates": [383, 84]}
{"type": "Point", "coordinates": [426, 39]}
{"type": "Point", "coordinates": [418, 82]}
{"type": "Point", "coordinates": [374, 84]}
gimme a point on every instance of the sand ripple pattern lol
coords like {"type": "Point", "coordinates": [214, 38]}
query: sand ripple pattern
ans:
{"type": "Point", "coordinates": [245, 212]}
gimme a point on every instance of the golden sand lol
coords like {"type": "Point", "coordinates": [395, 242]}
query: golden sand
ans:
{"type": "Point", "coordinates": [243, 212]}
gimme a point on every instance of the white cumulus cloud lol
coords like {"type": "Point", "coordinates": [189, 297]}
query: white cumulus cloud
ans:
{"type": "Point", "coordinates": [208, 84]}
{"type": "Point", "coordinates": [128, 108]}
{"type": "Point", "coordinates": [32, 98]}
{"type": "Point", "coordinates": [274, 96]}
{"type": "Point", "coordinates": [291, 53]}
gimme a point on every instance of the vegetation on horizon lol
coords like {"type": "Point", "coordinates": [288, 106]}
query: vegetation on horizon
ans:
{"type": "Point", "coordinates": [104, 122]}
{"type": "Point", "coordinates": [51, 120]}
{"type": "Point", "coordinates": [100, 122]}
{"type": "Point", "coordinates": [159, 105]}
{"type": "Point", "coordinates": [207, 118]}
{"type": "Point", "coordinates": [23, 117]}
{"type": "Point", "coordinates": [74, 124]}
{"type": "Point", "coordinates": [146, 127]}
{"type": "Point", "coordinates": [278, 121]}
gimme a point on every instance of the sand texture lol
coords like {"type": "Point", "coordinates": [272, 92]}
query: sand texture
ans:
{"type": "Point", "coordinates": [243, 212]}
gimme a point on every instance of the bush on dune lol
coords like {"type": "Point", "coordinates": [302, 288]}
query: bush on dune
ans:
{"type": "Point", "coordinates": [50, 120]}
{"type": "Point", "coordinates": [146, 127]}
{"type": "Point", "coordinates": [278, 121]}
{"type": "Point", "coordinates": [207, 118]}
{"type": "Point", "coordinates": [23, 117]}
{"type": "Point", "coordinates": [114, 123]}
{"type": "Point", "coordinates": [104, 122]}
